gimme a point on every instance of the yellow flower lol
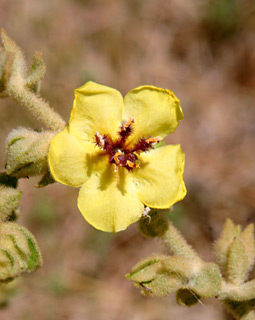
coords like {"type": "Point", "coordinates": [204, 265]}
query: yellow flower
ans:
{"type": "Point", "coordinates": [108, 150]}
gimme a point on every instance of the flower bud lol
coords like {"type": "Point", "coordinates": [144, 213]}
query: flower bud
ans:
{"type": "Point", "coordinates": [2, 63]}
{"type": "Point", "coordinates": [35, 72]}
{"type": "Point", "coordinates": [6, 60]}
{"type": "Point", "coordinates": [19, 251]}
{"type": "Point", "coordinates": [27, 152]}
{"type": "Point", "coordinates": [17, 63]}
{"type": "Point", "coordinates": [207, 282]}
{"type": "Point", "coordinates": [163, 285]}
{"type": "Point", "coordinates": [146, 269]}
{"type": "Point", "coordinates": [9, 202]}
{"type": "Point", "coordinates": [235, 251]}
{"type": "Point", "coordinates": [155, 224]}
{"type": "Point", "coordinates": [153, 278]}
{"type": "Point", "coordinates": [236, 263]}
{"type": "Point", "coordinates": [221, 246]}
{"type": "Point", "coordinates": [247, 238]}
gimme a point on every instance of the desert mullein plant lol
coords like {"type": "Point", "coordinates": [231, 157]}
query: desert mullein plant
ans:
{"type": "Point", "coordinates": [113, 149]}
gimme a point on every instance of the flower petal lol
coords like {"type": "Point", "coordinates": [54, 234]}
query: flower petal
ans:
{"type": "Point", "coordinates": [160, 177]}
{"type": "Point", "coordinates": [156, 111]}
{"type": "Point", "coordinates": [109, 201]}
{"type": "Point", "coordinates": [72, 161]}
{"type": "Point", "coordinates": [96, 108]}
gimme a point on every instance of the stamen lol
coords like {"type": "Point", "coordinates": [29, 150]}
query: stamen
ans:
{"type": "Point", "coordinates": [119, 152]}
{"type": "Point", "coordinates": [130, 164]}
{"type": "Point", "coordinates": [137, 165]}
{"type": "Point", "coordinates": [153, 140]}
{"type": "Point", "coordinates": [125, 131]}
{"type": "Point", "coordinates": [128, 123]}
{"type": "Point", "coordinates": [145, 144]}
{"type": "Point", "coordinates": [116, 159]}
{"type": "Point", "coordinates": [100, 141]}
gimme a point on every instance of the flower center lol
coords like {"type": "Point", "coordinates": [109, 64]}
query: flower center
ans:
{"type": "Point", "coordinates": [119, 153]}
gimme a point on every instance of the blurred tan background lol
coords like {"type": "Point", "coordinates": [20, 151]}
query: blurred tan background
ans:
{"type": "Point", "coordinates": [202, 50]}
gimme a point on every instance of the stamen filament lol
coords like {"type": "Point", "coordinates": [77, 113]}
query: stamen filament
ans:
{"type": "Point", "coordinates": [100, 141]}
{"type": "Point", "coordinates": [128, 123]}
{"type": "Point", "coordinates": [130, 164]}
{"type": "Point", "coordinates": [116, 159]}
{"type": "Point", "coordinates": [153, 140]}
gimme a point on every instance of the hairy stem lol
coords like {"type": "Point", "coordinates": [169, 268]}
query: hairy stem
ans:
{"type": "Point", "coordinates": [36, 105]}
{"type": "Point", "coordinates": [175, 243]}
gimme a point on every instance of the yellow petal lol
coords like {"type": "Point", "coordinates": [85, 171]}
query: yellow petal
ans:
{"type": "Point", "coordinates": [96, 108]}
{"type": "Point", "coordinates": [160, 177]}
{"type": "Point", "coordinates": [109, 201]}
{"type": "Point", "coordinates": [72, 161]}
{"type": "Point", "coordinates": [156, 111]}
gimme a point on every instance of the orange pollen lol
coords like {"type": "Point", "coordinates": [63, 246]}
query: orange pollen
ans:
{"type": "Point", "coordinates": [116, 159]}
{"type": "Point", "coordinates": [132, 164]}
{"type": "Point", "coordinates": [128, 123]}
{"type": "Point", "coordinates": [152, 140]}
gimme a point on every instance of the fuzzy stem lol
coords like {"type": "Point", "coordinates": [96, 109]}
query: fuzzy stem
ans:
{"type": "Point", "coordinates": [240, 310]}
{"type": "Point", "coordinates": [249, 316]}
{"type": "Point", "coordinates": [243, 292]}
{"type": "Point", "coordinates": [175, 243]}
{"type": "Point", "coordinates": [36, 105]}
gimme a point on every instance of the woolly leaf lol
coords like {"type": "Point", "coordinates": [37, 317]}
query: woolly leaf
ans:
{"type": "Point", "coordinates": [237, 263]}
{"type": "Point", "coordinates": [19, 251]}
{"type": "Point", "coordinates": [221, 246]}
{"type": "Point", "coordinates": [27, 152]}
{"type": "Point", "coordinates": [36, 70]}
{"type": "Point", "coordinates": [19, 66]}
{"type": "Point", "coordinates": [247, 238]}
{"type": "Point", "coordinates": [207, 282]}
{"type": "Point", "coordinates": [9, 202]}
